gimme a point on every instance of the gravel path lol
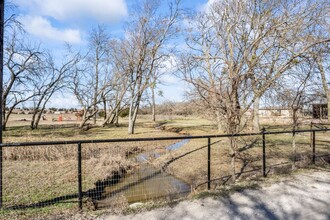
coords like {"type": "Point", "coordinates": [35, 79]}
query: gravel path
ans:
{"type": "Point", "coordinates": [305, 196]}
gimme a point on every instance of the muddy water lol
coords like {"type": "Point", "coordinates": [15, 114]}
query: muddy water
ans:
{"type": "Point", "coordinates": [148, 182]}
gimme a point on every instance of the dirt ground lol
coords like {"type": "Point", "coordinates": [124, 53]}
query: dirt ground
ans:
{"type": "Point", "coordinates": [50, 119]}
{"type": "Point", "coordinates": [302, 196]}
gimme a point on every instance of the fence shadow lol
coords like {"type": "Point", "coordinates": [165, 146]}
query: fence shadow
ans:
{"type": "Point", "coordinates": [96, 194]}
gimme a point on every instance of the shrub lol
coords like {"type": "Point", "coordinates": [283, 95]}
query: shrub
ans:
{"type": "Point", "coordinates": [101, 114]}
{"type": "Point", "coordinates": [124, 113]}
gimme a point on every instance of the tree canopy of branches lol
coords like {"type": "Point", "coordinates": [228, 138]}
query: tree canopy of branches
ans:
{"type": "Point", "coordinates": [145, 42]}
{"type": "Point", "coordinates": [238, 49]}
{"type": "Point", "coordinates": [21, 62]}
{"type": "Point", "coordinates": [51, 78]}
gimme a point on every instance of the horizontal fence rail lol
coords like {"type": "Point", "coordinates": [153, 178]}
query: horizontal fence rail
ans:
{"type": "Point", "coordinates": [79, 166]}
{"type": "Point", "coordinates": [95, 141]}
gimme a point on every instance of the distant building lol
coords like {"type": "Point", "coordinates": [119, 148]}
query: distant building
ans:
{"type": "Point", "coordinates": [320, 111]}
{"type": "Point", "coordinates": [59, 112]}
{"type": "Point", "coordinates": [275, 111]}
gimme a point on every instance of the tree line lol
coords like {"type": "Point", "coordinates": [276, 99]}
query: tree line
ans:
{"type": "Point", "coordinates": [114, 74]}
{"type": "Point", "coordinates": [232, 54]}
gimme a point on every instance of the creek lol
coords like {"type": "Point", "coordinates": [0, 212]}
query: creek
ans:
{"type": "Point", "coordinates": [149, 182]}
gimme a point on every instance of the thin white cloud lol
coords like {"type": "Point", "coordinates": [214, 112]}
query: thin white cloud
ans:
{"type": "Point", "coordinates": [63, 10]}
{"type": "Point", "coordinates": [167, 69]}
{"type": "Point", "coordinates": [41, 27]}
{"type": "Point", "coordinates": [63, 101]}
{"type": "Point", "coordinates": [172, 92]}
{"type": "Point", "coordinates": [169, 65]}
{"type": "Point", "coordinates": [206, 7]}
{"type": "Point", "coordinates": [169, 79]}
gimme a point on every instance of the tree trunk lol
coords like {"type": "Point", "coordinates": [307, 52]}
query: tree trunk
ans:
{"type": "Point", "coordinates": [35, 112]}
{"type": "Point", "coordinates": [255, 116]}
{"type": "Point", "coordinates": [84, 119]}
{"type": "Point", "coordinates": [104, 107]}
{"type": "Point", "coordinates": [294, 150]}
{"type": "Point", "coordinates": [96, 85]}
{"type": "Point", "coordinates": [131, 123]}
{"type": "Point", "coordinates": [219, 122]}
{"type": "Point", "coordinates": [232, 141]}
{"type": "Point", "coordinates": [115, 109]}
{"type": "Point", "coordinates": [4, 117]}
{"type": "Point", "coordinates": [130, 126]}
{"type": "Point", "coordinates": [295, 126]}
{"type": "Point", "coordinates": [153, 110]}
{"type": "Point", "coordinates": [94, 117]}
{"type": "Point", "coordinates": [107, 119]}
{"type": "Point", "coordinates": [36, 124]}
{"type": "Point", "coordinates": [328, 102]}
{"type": "Point", "coordinates": [132, 120]}
{"type": "Point", "coordinates": [324, 84]}
{"type": "Point", "coordinates": [117, 117]}
{"type": "Point", "coordinates": [133, 110]}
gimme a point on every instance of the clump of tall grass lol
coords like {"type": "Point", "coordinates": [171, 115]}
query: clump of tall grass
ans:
{"type": "Point", "coordinates": [66, 152]}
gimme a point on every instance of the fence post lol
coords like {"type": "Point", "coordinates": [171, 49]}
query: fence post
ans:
{"type": "Point", "coordinates": [208, 163]}
{"type": "Point", "coordinates": [263, 152]}
{"type": "Point", "coordinates": [79, 177]}
{"type": "Point", "coordinates": [311, 134]}
{"type": "Point", "coordinates": [2, 8]}
{"type": "Point", "coordinates": [313, 147]}
{"type": "Point", "coordinates": [1, 168]}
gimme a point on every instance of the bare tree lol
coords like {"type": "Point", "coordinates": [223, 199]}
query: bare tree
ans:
{"type": "Point", "coordinates": [21, 62]}
{"type": "Point", "coordinates": [146, 37]}
{"type": "Point", "coordinates": [11, 23]}
{"type": "Point", "coordinates": [98, 45]}
{"type": "Point", "coordinates": [283, 34]}
{"type": "Point", "coordinates": [118, 83]}
{"type": "Point", "coordinates": [237, 51]}
{"type": "Point", "coordinates": [163, 65]}
{"type": "Point", "coordinates": [81, 86]}
{"type": "Point", "coordinates": [50, 80]}
{"type": "Point", "coordinates": [322, 65]}
{"type": "Point", "coordinates": [296, 91]}
{"type": "Point", "coordinates": [91, 79]}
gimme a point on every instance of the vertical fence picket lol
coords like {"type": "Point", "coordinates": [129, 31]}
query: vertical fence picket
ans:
{"type": "Point", "coordinates": [311, 135]}
{"type": "Point", "coordinates": [263, 152]}
{"type": "Point", "coordinates": [2, 22]}
{"type": "Point", "coordinates": [80, 195]}
{"type": "Point", "coordinates": [208, 163]}
{"type": "Point", "coordinates": [313, 147]}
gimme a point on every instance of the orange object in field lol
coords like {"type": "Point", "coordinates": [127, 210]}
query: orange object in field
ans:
{"type": "Point", "coordinates": [60, 118]}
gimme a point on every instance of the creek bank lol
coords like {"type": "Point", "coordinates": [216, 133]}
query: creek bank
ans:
{"type": "Point", "coordinates": [144, 183]}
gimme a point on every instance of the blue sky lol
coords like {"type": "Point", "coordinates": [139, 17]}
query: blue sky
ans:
{"type": "Point", "coordinates": [54, 22]}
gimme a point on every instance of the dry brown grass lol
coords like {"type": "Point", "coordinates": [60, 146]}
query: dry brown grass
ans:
{"type": "Point", "coordinates": [33, 174]}
{"type": "Point", "coordinates": [279, 154]}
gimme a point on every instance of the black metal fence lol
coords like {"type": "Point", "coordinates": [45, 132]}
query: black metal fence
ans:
{"type": "Point", "coordinates": [141, 161]}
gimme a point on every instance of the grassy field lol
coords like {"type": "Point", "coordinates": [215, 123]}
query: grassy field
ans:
{"type": "Point", "coordinates": [279, 153]}
{"type": "Point", "coordinates": [35, 174]}
{"type": "Point", "coordinates": [49, 173]}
